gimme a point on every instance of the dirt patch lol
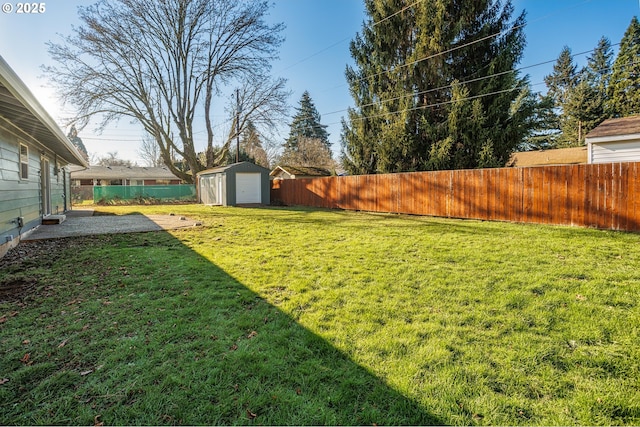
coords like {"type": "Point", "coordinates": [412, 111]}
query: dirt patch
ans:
{"type": "Point", "coordinates": [16, 289]}
{"type": "Point", "coordinates": [27, 251]}
{"type": "Point", "coordinates": [16, 283]}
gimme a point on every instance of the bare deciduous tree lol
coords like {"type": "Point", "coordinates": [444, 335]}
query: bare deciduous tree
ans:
{"type": "Point", "coordinates": [310, 152]}
{"type": "Point", "coordinates": [164, 63]}
{"type": "Point", "coordinates": [112, 159]}
{"type": "Point", "coordinates": [150, 152]}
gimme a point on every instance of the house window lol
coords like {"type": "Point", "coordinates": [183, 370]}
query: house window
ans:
{"type": "Point", "coordinates": [24, 162]}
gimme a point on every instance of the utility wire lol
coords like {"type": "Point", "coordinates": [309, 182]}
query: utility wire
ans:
{"type": "Point", "coordinates": [435, 55]}
{"type": "Point", "coordinates": [470, 80]}
{"type": "Point", "coordinates": [339, 42]}
{"type": "Point", "coordinates": [397, 13]}
{"type": "Point", "coordinates": [438, 104]}
{"type": "Point", "coordinates": [428, 57]}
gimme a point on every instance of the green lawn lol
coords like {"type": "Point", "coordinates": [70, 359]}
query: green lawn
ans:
{"type": "Point", "coordinates": [294, 316]}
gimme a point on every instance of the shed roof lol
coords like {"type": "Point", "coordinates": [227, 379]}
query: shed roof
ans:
{"type": "Point", "coordinates": [301, 170]}
{"type": "Point", "coordinates": [240, 165]}
{"type": "Point", "coordinates": [616, 127]}
{"type": "Point", "coordinates": [559, 156]}
{"type": "Point", "coordinates": [123, 172]}
{"type": "Point", "coordinates": [24, 115]}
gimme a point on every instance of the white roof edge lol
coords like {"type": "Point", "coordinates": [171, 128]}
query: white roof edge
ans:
{"type": "Point", "coordinates": [613, 138]}
{"type": "Point", "coordinates": [18, 89]}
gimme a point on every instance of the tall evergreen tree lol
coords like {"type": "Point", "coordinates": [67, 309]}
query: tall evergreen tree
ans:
{"type": "Point", "coordinates": [577, 98]}
{"type": "Point", "coordinates": [560, 83]}
{"type": "Point", "coordinates": [598, 70]}
{"type": "Point", "coordinates": [583, 110]}
{"type": "Point", "coordinates": [306, 124]}
{"type": "Point", "coordinates": [584, 105]}
{"type": "Point", "coordinates": [563, 78]}
{"type": "Point", "coordinates": [546, 127]}
{"type": "Point", "coordinates": [435, 86]}
{"type": "Point", "coordinates": [624, 85]}
{"type": "Point", "coordinates": [251, 145]}
{"type": "Point", "coordinates": [77, 142]}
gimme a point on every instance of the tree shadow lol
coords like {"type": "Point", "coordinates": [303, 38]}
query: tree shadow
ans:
{"type": "Point", "coordinates": [174, 339]}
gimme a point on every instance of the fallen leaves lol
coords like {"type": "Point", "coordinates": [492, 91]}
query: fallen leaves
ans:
{"type": "Point", "coordinates": [63, 343]}
{"type": "Point", "coordinates": [26, 359]}
{"type": "Point", "coordinates": [6, 317]}
{"type": "Point", "coordinates": [4, 381]}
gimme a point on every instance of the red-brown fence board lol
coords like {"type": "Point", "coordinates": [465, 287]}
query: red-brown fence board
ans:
{"type": "Point", "coordinates": [633, 188]}
{"type": "Point", "coordinates": [601, 195]}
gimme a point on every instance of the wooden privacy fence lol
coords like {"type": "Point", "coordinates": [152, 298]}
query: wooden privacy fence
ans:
{"type": "Point", "coordinates": [604, 196]}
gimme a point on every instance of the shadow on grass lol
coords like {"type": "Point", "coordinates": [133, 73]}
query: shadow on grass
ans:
{"type": "Point", "coordinates": [139, 329]}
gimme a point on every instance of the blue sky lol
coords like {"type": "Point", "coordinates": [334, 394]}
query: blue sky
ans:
{"type": "Point", "coordinates": [315, 53]}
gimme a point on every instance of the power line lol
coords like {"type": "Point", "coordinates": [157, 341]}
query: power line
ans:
{"type": "Point", "coordinates": [469, 98]}
{"type": "Point", "coordinates": [412, 63]}
{"type": "Point", "coordinates": [339, 42]}
{"type": "Point", "coordinates": [435, 55]}
{"type": "Point", "coordinates": [477, 79]}
{"type": "Point", "coordinates": [397, 13]}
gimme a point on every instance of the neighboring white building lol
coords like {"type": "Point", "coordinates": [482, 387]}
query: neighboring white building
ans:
{"type": "Point", "coordinates": [615, 140]}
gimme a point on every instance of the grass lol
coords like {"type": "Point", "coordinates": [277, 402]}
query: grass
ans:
{"type": "Point", "coordinates": [294, 316]}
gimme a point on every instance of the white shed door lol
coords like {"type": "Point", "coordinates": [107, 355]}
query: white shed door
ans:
{"type": "Point", "coordinates": [211, 189]}
{"type": "Point", "coordinates": [248, 188]}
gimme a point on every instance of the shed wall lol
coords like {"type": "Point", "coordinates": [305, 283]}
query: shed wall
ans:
{"type": "Point", "coordinates": [613, 152]}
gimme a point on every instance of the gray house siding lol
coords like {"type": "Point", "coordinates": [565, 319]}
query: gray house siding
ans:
{"type": "Point", "coordinates": [23, 198]}
{"type": "Point", "coordinates": [34, 154]}
{"type": "Point", "coordinates": [18, 197]}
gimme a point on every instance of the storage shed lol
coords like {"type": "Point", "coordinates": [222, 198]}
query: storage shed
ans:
{"type": "Point", "coordinates": [235, 184]}
{"type": "Point", "coordinates": [615, 140]}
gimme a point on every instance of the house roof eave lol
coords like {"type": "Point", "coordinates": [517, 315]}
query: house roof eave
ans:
{"type": "Point", "coordinates": [19, 107]}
